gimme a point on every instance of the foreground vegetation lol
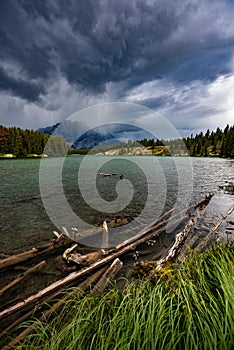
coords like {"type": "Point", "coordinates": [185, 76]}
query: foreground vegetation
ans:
{"type": "Point", "coordinates": [186, 306]}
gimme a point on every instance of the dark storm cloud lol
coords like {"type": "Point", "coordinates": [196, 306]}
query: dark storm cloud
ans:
{"type": "Point", "coordinates": [93, 43]}
{"type": "Point", "coordinates": [57, 57]}
{"type": "Point", "coordinates": [19, 87]}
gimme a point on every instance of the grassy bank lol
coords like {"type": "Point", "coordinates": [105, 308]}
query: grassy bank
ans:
{"type": "Point", "coordinates": [186, 306]}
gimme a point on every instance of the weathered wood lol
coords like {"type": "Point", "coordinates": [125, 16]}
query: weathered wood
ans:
{"type": "Point", "coordinates": [15, 259]}
{"type": "Point", "coordinates": [180, 238]}
{"type": "Point", "coordinates": [33, 269]}
{"type": "Point", "coordinates": [153, 226]}
{"type": "Point", "coordinates": [29, 313]}
{"type": "Point", "coordinates": [219, 223]}
{"type": "Point", "coordinates": [213, 232]}
{"type": "Point", "coordinates": [83, 234]}
{"type": "Point", "coordinates": [75, 275]}
{"type": "Point", "coordinates": [108, 276]}
{"type": "Point", "coordinates": [86, 259]}
{"type": "Point", "coordinates": [55, 308]}
{"type": "Point", "coordinates": [151, 231]}
{"type": "Point", "coordinates": [201, 205]}
{"type": "Point", "coordinates": [145, 230]}
{"type": "Point", "coordinates": [145, 268]}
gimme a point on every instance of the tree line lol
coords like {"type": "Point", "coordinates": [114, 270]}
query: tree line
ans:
{"type": "Point", "coordinates": [219, 143]}
{"type": "Point", "coordinates": [23, 143]}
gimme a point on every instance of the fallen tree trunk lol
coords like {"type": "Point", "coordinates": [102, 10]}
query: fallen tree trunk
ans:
{"type": "Point", "coordinates": [55, 308]}
{"type": "Point", "coordinates": [108, 276]}
{"type": "Point", "coordinates": [38, 250]}
{"type": "Point", "coordinates": [212, 235]}
{"type": "Point", "coordinates": [75, 275]}
{"type": "Point", "coordinates": [148, 268]}
{"type": "Point", "coordinates": [152, 230]}
{"type": "Point", "coordinates": [153, 225]}
{"type": "Point", "coordinates": [180, 238]}
{"type": "Point", "coordinates": [219, 223]}
{"type": "Point", "coordinates": [33, 269]}
{"type": "Point", "coordinates": [31, 312]}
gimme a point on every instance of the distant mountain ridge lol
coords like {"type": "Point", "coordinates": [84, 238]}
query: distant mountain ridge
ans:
{"type": "Point", "coordinates": [107, 134]}
{"type": "Point", "coordinates": [49, 129]}
{"type": "Point", "coordinates": [211, 144]}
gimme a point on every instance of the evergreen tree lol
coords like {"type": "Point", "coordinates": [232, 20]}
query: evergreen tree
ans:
{"type": "Point", "coordinates": [22, 143]}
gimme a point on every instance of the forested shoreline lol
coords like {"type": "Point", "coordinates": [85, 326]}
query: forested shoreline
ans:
{"type": "Point", "coordinates": [219, 143]}
{"type": "Point", "coordinates": [20, 143]}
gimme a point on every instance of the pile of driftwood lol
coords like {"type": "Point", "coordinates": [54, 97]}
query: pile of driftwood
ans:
{"type": "Point", "coordinates": [184, 241]}
{"type": "Point", "coordinates": [97, 268]}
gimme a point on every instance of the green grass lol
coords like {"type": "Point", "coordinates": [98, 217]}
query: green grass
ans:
{"type": "Point", "coordinates": [188, 306]}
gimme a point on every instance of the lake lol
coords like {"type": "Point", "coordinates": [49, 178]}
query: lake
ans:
{"type": "Point", "coordinates": [150, 186]}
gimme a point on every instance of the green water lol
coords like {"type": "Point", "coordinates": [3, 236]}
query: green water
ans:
{"type": "Point", "coordinates": [25, 222]}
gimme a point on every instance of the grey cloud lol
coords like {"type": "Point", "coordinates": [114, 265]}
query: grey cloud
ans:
{"type": "Point", "coordinates": [25, 89]}
{"type": "Point", "coordinates": [93, 43]}
{"type": "Point", "coordinates": [95, 51]}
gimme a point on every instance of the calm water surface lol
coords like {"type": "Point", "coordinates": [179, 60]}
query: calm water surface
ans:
{"type": "Point", "coordinates": [24, 221]}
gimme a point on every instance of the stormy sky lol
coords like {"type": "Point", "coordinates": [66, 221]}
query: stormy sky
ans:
{"type": "Point", "coordinates": [174, 56]}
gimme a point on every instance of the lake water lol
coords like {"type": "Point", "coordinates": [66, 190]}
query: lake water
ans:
{"type": "Point", "coordinates": [150, 186]}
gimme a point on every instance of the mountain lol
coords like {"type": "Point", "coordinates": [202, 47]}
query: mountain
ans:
{"type": "Point", "coordinates": [106, 134]}
{"type": "Point", "coordinates": [91, 139]}
{"type": "Point", "coordinates": [49, 130]}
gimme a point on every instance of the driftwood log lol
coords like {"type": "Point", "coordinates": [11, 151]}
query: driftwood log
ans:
{"type": "Point", "coordinates": [149, 268]}
{"type": "Point", "coordinates": [212, 235]}
{"type": "Point", "coordinates": [215, 228]}
{"type": "Point", "coordinates": [181, 237]}
{"type": "Point", "coordinates": [108, 276]}
{"type": "Point", "coordinates": [55, 308]}
{"type": "Point", "coordinates": [100, 286]}
{"type": "Point", "coordinates": [33, 269]}
{"type": "Point", "coordinates": [38, 250]}
{"type": "Point", "coordinates": [70, 279]}
{"type": "Point", "coordinates": [95, 263]}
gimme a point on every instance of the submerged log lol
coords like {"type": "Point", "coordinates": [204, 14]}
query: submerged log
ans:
{"type": "Point", "coordinates": [146, 268]}
{"type": "Point", "coordinates": [109, 255]}
{"type": "Point", "coordinates": [38, 250]}
{"type": "Point", "coordinates": [63, 283]}
{"type": "Point", "coordinates": [33, 269]}
{"type": "Point", "coordinates": [219, 223]}
{"type": "Point", "coordinates": [153, 226]}
{"type": "Point", "coordinates": [55, 308]}
{"type": "Point", "coordinates": [30, 313]}
{"type": "Point", "coordinates": [183, 235]}
{"type": "Point", "coordinates": [213, 233]}
{"type": "Point", "coordinates": [201, 205]}
{"type": "Point", "coordinates": [143, 232]}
